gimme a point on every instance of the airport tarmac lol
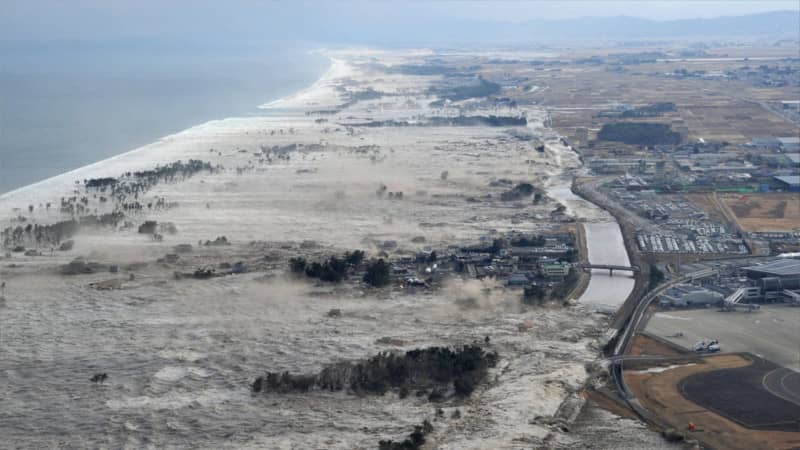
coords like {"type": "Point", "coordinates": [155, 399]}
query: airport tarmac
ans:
{"type": "Point", "coordinates": [773, 332]}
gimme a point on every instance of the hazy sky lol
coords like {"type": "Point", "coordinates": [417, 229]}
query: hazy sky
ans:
{"type": "Point", "coordinates": [657, 10]}
{"type": "Point", "coordinates": [103, 19]}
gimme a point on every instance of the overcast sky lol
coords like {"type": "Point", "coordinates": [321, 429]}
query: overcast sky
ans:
{"type": "Point", "coordinates": [108, 19]}
{"type": "Point", "coordinates": [656, 10]}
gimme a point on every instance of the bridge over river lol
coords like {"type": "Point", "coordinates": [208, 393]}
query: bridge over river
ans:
{"type": "Point", "coordinates": [610, 267]}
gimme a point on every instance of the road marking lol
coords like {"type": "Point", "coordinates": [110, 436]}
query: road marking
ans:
{"type": "Point", "coordinates": [781, 382]}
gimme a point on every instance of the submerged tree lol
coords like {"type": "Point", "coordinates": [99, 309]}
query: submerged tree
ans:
{"type": "Point", "coordinates": [656, 277]}
{"type": "Point", "coordinates": [354, 258]}
{"type": "Point", "coordinates": [297, 265]}
{"type": "Point", "coordinates": [377, 274]}
{"type": "Point", "coordinates": [533, 293]}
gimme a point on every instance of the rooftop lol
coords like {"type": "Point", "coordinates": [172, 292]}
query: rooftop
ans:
{"type": "Point", "coordinates": [782, 267]}
{"type": "Point", "coordinates": [765, 140]}
{"type": "Point", "coordinates": [789, 179]}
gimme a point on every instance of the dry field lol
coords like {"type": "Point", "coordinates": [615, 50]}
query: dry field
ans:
{"type": "Point", "coordinates": [766, 212]}
{"type": "Point", "coordinates": [710, 109]}
{"type": "Point", "coordinates": [644, 344]}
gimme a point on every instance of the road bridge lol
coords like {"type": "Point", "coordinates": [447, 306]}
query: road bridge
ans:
{"type": "Point", "coordinates": [610, 267]}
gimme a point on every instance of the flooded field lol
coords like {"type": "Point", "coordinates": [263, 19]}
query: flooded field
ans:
{"type": "Point", "coordinates": [181, 354]}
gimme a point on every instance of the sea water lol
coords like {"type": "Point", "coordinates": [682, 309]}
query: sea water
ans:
{"type": "Point", "coordinates": [66, 105]}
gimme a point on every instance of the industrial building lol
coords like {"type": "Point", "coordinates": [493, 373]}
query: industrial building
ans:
{"type": "Point", "coordinates": [790, 144]}
{"type": "Point", "coordinates": [766, 143]}
{"type": "Point", "coordinates": [789, 183]}
{"type": "Point", "coordinates": [688, 295]}
{"type": "Point", "coordinates": [781, 268]}
{"type": "Point", "coordinates": [777, 280]}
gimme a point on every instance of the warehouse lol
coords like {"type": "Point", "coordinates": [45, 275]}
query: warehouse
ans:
{"type": "Point", "coordinates": [790, 144]}
{"type": "Point", "coordinates": [789, 183]}
{"type": "Point", "coordinates": [687, 295]}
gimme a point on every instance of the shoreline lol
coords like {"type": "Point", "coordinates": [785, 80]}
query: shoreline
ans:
{"type": "Point", "coordinates": [323, 192]}
{"type": "Point", "coordinates": [263, 107]}
{"type": "Point", "coordinates": [327, 75]}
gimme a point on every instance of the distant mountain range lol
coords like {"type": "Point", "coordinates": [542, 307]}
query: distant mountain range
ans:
{"type": "Point", "coordinates": [777, 24]}
{"type": "Point", "coordinates": [770, 23]}
{"type": "Point", "coordinates": [374, 23]}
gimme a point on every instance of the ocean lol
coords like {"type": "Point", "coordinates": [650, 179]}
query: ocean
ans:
{"type": "Point", "coordinates": [67, 105]}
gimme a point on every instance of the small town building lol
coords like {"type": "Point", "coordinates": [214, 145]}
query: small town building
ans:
{"type": "Point", "coordinates": [555, 270]}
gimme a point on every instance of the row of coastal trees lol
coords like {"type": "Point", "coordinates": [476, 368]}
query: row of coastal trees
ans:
{"type": "Point", "coordinates": [52, 235]}
{"type": "Point", "coordinates": [124, 191]}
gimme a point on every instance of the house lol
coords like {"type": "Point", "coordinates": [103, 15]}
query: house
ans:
{"type": "Point", "coordinates": [517, 279]}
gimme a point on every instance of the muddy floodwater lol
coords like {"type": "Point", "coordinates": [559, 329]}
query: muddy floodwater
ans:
{"type": "Point", "coordinates": [181, 351]}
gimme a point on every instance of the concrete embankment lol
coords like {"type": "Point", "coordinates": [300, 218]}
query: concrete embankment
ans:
{"type": "Point", "coordinates": [587, 190]}
{"type": "Point", "coordinates": [583, 280]}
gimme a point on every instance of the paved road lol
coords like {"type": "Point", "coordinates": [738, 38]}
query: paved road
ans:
{"type": "Point", "coordinates": [625, 334]}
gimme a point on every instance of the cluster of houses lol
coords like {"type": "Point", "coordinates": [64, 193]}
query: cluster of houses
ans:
{"type": "Point", "coordinates": [760, 76]}
{"type": "Point", "coordinates": [514, 259]}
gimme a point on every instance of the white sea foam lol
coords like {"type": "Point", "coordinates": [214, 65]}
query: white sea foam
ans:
{"type": "Point", "coordinates": [276, 325]}
{"type": "Point", "coordinates": [182, 355]}
{"type": "Point", "coordinates": [174, 400]}
{"type": "Point", "coordinates": [319, 94]}
{"type": "Point", "coordinates": [169, 148]}
{"type": "Point", "coordinates": [175, 373]}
